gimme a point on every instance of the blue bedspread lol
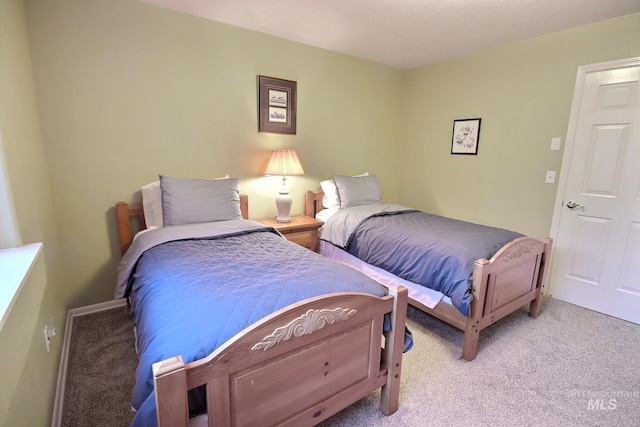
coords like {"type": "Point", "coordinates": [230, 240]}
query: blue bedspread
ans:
{"type": "Point", "coordinates": [422, 248]}
{"type": "Point", "coordinates": [189, 296]}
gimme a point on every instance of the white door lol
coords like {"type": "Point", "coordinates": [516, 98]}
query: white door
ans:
{"type": "Point", "coordinates": [596, 224]}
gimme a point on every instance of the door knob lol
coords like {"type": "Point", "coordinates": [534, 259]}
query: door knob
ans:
{"type": "Point", "coordinates": [572, 205]}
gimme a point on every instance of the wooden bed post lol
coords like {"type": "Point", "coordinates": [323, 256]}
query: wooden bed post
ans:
{"type": "Point", "coordinates": [124, 226]}
{"type": "Point", "coordinates": [393, 348]}
{"type": "Point", "coordinates": [124, 212]}
{"type": "Point", "coordinates": [170, 383]}
{"type": "Point", "coordinates": [310, 204]}
{"type": "Point", "coordinates": [472, 328]}
{"type": "Point", "coordinates": [536, 304]}
{"type": "Point", "coordinates": [244, 206]}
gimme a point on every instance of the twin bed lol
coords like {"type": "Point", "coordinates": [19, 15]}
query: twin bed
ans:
{"type": "Point", "coordinates": [235, 325]}
{"type": "Point", "coordinates": [465, 274]}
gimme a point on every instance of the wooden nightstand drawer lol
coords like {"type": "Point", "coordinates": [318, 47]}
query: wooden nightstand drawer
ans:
{"type": "Point", "coordinates": [302, 230]}
{"type": "Point", "coordinates": [308, 239]}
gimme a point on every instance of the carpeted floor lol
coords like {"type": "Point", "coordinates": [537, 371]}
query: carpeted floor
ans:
{"type": "Point", "coordinates": [569, 367]}
{"type": "Point", "coordinates": [102, 362]}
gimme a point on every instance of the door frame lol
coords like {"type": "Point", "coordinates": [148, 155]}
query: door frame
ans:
{"type": "Point", "coordinates": [567, 155]}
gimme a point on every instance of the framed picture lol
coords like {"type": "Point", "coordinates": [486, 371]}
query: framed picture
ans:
{"type": "Point", "coordinates": [466, 136]}
{"type": "Point", "coordinates": [276, 105]}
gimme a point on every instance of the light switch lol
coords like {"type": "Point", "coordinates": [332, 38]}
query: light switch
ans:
{"type": "Point", "coordinates": [555, 143]}
{"type": "Point", "coordinates": [551, 177]}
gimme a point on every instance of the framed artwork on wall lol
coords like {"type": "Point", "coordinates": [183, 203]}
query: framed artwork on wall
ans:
{"type": "Point", "coordinates": [466, 136]}
{"type": "Point", "coordinates": [276, 105]}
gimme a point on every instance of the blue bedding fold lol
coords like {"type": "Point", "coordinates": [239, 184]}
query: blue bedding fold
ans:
{"type": "Point", "coordinates": [190, 296]}
{"type": "Point", "coordinates": [422, 248]}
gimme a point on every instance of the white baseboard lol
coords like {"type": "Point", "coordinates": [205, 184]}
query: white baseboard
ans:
{"type": "Point", "coordinates": [64, 358]}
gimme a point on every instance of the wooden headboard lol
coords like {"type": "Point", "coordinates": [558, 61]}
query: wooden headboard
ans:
{"type": "Point", "coordinates": [124, 212]}
{"type": "Point", "coordinates": [313, 203]}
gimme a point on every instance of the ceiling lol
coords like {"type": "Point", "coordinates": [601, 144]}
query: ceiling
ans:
{"type": "Point", "coordinates": [405, 33]}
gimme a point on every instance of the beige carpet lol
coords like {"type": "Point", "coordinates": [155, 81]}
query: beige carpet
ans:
{"type": "Point", "coordinates": [569, 367]}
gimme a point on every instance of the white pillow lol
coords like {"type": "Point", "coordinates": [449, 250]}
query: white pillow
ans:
{"type": "Point", "coordinates": [330, 199]}
{"type": "Point", "coordinates": [152, 203]}
{"type": "Point", "coordinates": [325, 214]}
{"type": "Point", "coordinates": [357, 191]}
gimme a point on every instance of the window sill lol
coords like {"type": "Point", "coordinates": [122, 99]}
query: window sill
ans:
{"type": "Point", "coordinates": [15, 265]}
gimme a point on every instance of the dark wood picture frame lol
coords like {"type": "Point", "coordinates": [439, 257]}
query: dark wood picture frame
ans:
{"type": "Point", "coordinates": [466, 136]}
{"type": "Point", "coordinates": [276, 105]}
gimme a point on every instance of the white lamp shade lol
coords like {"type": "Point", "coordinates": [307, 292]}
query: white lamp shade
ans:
{"type": "Point", "coordinates": [284, 163]}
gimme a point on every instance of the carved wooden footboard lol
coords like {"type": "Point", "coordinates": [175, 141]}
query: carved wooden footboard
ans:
{"type": "Point", "coordinates": [296, 367]}
{"type": "Point", "coordinates": [511, 279]}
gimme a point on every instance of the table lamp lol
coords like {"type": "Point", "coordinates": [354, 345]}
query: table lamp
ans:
{"type": "Point", "coordinates": [284, 163]}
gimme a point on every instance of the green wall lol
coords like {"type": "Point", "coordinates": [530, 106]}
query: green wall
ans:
{"type": "Point", "coordinates": [28, 372]}
{"type": "Point", "coordinates": [127, 90]}
{"type": "Point", "coordinates": [523, 93]}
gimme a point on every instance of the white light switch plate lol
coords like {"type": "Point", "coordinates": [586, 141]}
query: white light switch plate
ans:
{"type": "Point", "coordinates": [551, 177]}
{"type": "Point", "coordinates": [555, 143]}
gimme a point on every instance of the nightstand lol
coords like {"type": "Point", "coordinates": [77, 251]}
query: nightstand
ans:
{"type": "Point", "coordinates": [302, 230]}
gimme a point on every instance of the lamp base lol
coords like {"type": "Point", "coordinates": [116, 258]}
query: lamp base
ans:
{"type": "Point", "coordinates": [283, 204]}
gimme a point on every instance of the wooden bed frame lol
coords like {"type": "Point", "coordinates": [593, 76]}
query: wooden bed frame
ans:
{"type": "Point", "coordinates": [511, 279]}
{"type": "Point", "coordinates": [296, 367]}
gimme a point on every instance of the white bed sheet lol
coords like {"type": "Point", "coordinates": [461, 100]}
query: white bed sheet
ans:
{"type": "Point", "coordinates": [420, 293]}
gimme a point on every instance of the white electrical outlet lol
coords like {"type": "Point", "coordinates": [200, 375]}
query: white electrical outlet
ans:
{"type": "Point", "coordinates": [551, 177]}
{"type": "Point", "coordinates": [47, 340]}
{"type": "Point", "coordinates": [49, 332]}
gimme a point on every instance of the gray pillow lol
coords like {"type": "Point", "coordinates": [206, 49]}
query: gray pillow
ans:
{"type": "Point", "coordinates": [357, 190]}
{"type": "Point", "coordinates": [189, 201]}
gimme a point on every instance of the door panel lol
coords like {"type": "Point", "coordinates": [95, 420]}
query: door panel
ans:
{"type": "Point", "coordinates": [606, 158]}
{"type": "Point", "coordinates": [631, 269]}
{"type": "Point", "coordinates": [587, 251]}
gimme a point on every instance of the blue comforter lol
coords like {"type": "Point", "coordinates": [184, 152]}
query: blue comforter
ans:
{"type": "Point", "coordinates": [426, 249]}
{"type": "Point", "coordinates": [190, 295]}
